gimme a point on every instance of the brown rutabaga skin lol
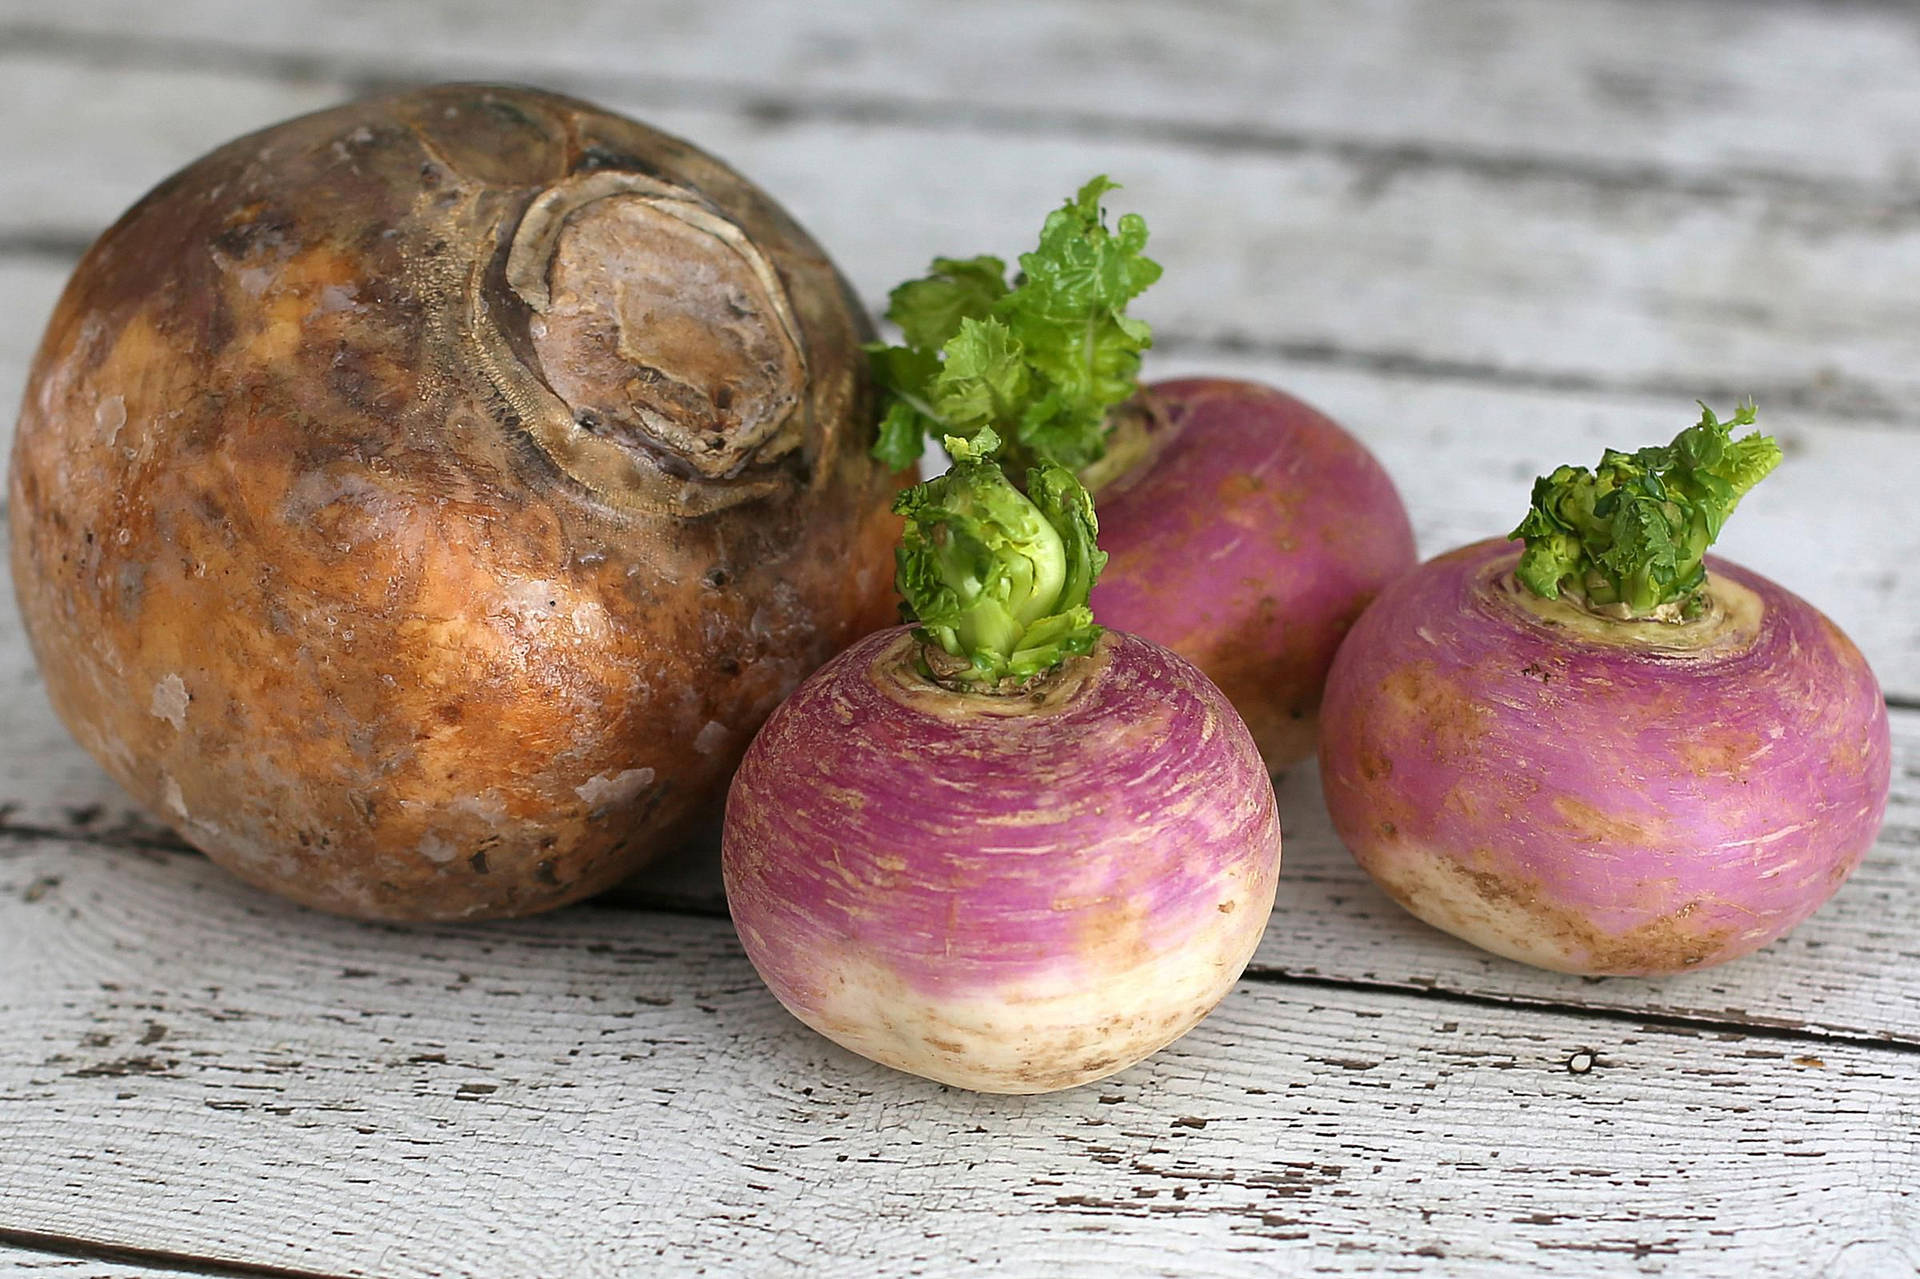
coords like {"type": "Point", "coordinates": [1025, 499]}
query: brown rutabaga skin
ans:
{"type": "Point", "coordinates": [418, 505]}
{"type": "Point", "coordinates": [1601, 796]}
{"type": "Point", "coordinates": [1247, 539]}
{"type": "Point", "coordinates": [1011, 893]}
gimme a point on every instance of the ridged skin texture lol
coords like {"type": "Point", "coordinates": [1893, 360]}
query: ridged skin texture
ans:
{"type": "Point", "coordinates": [1593, 805]}
{"type": "Point", "coordinates": [1000, 894]}
{"type": "Point", "coordinates": [299, 577]}
{"type": "Point", "coordinates": [1249, 544]}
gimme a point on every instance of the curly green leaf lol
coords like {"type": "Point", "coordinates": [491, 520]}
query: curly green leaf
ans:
{"type": "Point", "coordinates": [1063, 322]}
{"type": "Point", "coordinates": [1632, 534]}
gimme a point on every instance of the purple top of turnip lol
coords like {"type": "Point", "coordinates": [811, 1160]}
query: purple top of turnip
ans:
{"type": "Point", "coordinates": [1111, 811]}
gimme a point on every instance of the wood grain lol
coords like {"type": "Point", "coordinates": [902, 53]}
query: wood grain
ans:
{"type": "Point", "coordinates": [1698, 95]}
{"type": "Point", "coordinates": [1490, 236]}
{"type": "Point", "coordinates": [1848, 972]}
{"type": "Point", "coordinates": [53, 1257]}
{"type": "Point", "coordinates": [1526, 279]}
{"type": "Point", "coordinates": [591, 1092]}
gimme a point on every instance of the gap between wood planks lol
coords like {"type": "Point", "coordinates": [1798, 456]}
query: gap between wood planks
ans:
{"type": "Point", "coordinates": [361, 74]}
{"type": "Point", "coordinates": [154, 1261]}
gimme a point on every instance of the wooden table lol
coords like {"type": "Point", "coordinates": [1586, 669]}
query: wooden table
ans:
{"type": "Point", "coordinates": [1489, 235]}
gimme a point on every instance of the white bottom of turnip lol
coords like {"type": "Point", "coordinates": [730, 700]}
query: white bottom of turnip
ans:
{"type": "Point", "coordinates": [1046, 1034]}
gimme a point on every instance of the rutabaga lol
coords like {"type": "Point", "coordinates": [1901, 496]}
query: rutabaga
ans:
{"type": "Point", "coordinates": [1005, 849]}
{"type": "Point", "coordinates": [1608, 753]}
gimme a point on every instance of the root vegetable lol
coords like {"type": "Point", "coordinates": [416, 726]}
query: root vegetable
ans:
{"type": "Point", "coordinates": [1609, 754]}
{"type": "Point", "coordinates": [1256, 534]}
{"type": "Point", "coordinates": [1004, 850]}
{"type": "Point", "coordinates": [1247, 530]}
{"type": "Point", "coordinates": [419, 504]}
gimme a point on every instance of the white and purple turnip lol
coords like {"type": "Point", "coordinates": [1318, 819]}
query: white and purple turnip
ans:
{"type": "Point", "coordinates": [1608, 754]}
{"type": "Point", "coordinates": [1004, 850]}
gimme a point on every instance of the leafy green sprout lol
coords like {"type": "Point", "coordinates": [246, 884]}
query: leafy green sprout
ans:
{"type": "Point", "coordinates": [1039, 360]}
{"type": "Point", "coordinates": [1630, 536]}
{"type": "Point", "coordinates": [997, 580]}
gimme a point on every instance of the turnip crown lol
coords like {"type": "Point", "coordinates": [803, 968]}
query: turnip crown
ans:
{"type": "Point", "coordinates": [1629, 538]}
{"type": "Point", "coordinates": [997, 580]}
{"type": "Point", "coordinates": [1040, 361]}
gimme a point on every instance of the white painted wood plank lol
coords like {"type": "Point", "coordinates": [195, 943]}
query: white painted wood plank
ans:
{"type": "Point", "coordinates": [1532, 278]}
{"type": "Point", "coordinates": [97, 140]}
{"type": "Point", "coordinates": [1535, 280]}
{"type": "Point", "coordinates": [1702, 90]}
{"type": "Point", "coordinates": [599, 1092]}
{"type": "Point", "coordinates": [30, 285]}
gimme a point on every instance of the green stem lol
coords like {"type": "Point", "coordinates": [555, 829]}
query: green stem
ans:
{"type": "Point", "coordinates": [1629, 538]}
{"type": "Point", "coordinates": [996, 579]}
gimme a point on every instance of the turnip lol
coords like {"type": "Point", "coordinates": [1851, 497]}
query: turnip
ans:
{"type": "Point", "coordinates": [1608, 753]}
{"type": "Point", "coordinates": [1247, 529]}
{"type": "Point", "coordinates": [1004, 849]}
{"type": "Point", "coordinates": [1257, 535]}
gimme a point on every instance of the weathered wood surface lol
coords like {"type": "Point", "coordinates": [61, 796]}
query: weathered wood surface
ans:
{"type": "Point", "coordinates": [601, 1091]}
{"type": "Point", "coordinates": [1487, 234]}
{"type": "Point", "coordinates": [1525, 278]}
{"type": "Point", "coordinates": [1699, 95]}
{"type": "Point", "coordinates": [65, 1262]}
{"type": "Point", "coordinates": [1852, 971]}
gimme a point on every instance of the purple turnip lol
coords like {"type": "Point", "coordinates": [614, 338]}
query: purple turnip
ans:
{"type": "Point", "coordinates": [1247, 529]}
{"type": "Point", "coordinates": [1249, 545]}
{"type": "Point", "coordinates": [1607, 753]}
{"type": "Point", "coordinates": [1005, 849]}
